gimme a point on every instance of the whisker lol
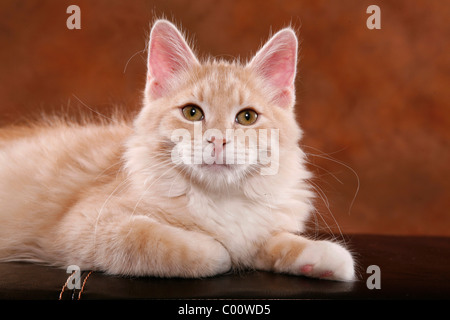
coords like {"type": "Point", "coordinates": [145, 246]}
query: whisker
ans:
{"type": "Point", "coordinates": [148, 188]}
{"type": "Point", "coordinates": [129, 59]}
{"type": "Point", "coordinates": [352, 170]}
{"type": "Point", "coordinates": [123, 184]}
{"type": "Point", "coordinates": [111, 166]}
{"type": "Point", "coordinates": [327, 171]}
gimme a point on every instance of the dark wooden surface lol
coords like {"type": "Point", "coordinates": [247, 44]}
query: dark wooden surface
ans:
{"type": "Point", "coordinates": [411, 268]}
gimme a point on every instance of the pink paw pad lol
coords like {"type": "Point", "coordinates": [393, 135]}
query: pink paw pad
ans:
{"type": "Point", "coordinates": [306, 269]}
{"type": "Point", "coordinates": [326, 274]}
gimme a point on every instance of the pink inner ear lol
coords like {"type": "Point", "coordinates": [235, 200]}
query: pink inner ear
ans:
{"type": "Point", "coordinates": [160, 65]}
{"type": "Point", "coordinates": [285, 98]}
{"type": "Point", "coordinates": [281, 68]}
{"type": "Point", "coordinates": [276, 63]}
{"type": "Point", "coordinates": [168, 54]}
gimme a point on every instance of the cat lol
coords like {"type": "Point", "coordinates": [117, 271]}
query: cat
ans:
{"type": "Point", "coordinates": [139, 198]}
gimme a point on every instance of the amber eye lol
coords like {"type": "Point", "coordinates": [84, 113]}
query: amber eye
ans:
{"type": "Point", "coordinates": [246, 117]}
{"type": "Point", "coordinates": [193, 112]}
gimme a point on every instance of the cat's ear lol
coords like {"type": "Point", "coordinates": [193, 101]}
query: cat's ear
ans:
{"type": "Point", "coordinates": [276, 64]}
{"type": "Point", "coordinates": [168, 54]}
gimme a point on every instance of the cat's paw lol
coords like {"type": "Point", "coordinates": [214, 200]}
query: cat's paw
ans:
{"type": "Point", "coordinates": [325, 260]}
{"type": "Point", "coordinates": [218, 260]}
{"type": "Point", "coordinates": [204, 258]}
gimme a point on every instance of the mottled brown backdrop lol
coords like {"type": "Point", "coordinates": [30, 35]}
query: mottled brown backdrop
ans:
{"type": "Point", "coordinates": [374, 104]}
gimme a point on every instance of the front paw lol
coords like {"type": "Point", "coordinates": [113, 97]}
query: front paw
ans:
{"type": "Point", "coordinates": [325, 260]}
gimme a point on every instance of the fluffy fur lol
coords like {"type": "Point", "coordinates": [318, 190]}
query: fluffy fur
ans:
{"type": "Point", "coordinates": [108, 196]}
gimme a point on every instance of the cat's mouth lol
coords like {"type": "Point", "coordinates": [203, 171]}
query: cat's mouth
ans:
{"type": "Point", "coordinates": [216, 166]}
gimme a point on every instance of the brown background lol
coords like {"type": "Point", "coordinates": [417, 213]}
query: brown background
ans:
{"type": "Point", "coordinates": [376, 101]}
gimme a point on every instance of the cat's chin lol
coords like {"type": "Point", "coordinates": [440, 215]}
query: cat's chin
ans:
{"type": "Point", "coordinates": [216, 167]}
{"type": "Point", "coordinates": [215, 170]}
{"type": "Point", "coordinates": [219, 176]}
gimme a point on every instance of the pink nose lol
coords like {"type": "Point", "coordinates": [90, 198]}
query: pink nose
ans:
{"type": "Point", "coordinates": [218, 144]}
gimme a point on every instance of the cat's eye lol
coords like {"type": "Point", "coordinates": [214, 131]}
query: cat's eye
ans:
{"type": "Point", "coordinates": [193, 112]}
{"type": "Point", "coordinates": [246, 117]}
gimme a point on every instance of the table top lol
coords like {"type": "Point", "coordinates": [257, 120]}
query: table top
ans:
{"type": "Point", "coordinates": [389, 267]}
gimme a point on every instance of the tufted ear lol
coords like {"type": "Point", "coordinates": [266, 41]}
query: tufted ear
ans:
{"type": "Point", "coordinates": [276, 64]}
{"type": "Point", "coordinates": [168, 54]}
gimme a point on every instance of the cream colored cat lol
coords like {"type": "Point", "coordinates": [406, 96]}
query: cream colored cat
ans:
{"type": "Point", "coordinates": [130, 199]}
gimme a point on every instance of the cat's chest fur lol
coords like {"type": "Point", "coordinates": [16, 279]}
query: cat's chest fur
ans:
{"type": "Point", "coordinates": [240, 224]}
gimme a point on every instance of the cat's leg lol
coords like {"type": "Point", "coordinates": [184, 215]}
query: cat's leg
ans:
{"type": "Point", "coordinates": [289, 253]}
{"type": "Point", "coordinates": [140, 246]}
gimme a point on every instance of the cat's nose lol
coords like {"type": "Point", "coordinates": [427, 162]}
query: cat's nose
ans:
{"type": "Point", "coordinates": [213, 140]}
{"type": "Point", "coordinates": [219, 144]}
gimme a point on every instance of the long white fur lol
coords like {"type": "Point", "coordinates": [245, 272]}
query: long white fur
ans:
{"type": "Point", "coordinates": [108, 197]}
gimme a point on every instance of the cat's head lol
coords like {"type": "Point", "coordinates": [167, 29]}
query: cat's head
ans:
{"type": "Point", "coordinates": [218, 123]}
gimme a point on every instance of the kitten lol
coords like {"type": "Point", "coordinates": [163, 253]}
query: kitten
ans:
{"type": "Point", "coordinates": [175, 193]}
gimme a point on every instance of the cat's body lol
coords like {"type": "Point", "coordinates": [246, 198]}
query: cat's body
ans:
{"type": "Point", "coordinates": [111, 197]}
